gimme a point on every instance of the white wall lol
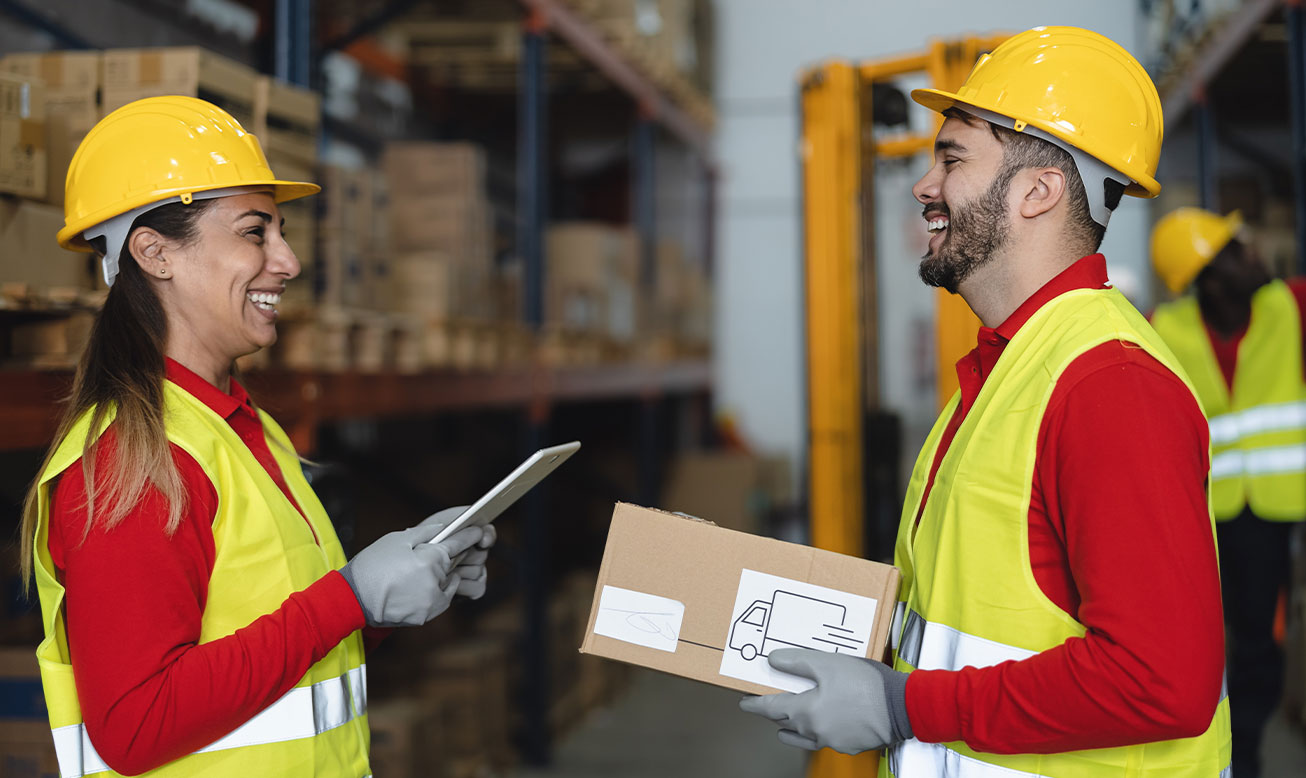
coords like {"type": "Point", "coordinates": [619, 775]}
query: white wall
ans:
{"type": "Point", "coordinates": [761, 47]}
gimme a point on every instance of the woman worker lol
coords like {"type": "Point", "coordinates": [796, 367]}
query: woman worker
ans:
{"type": "Point", "coordinates": [200, 617]}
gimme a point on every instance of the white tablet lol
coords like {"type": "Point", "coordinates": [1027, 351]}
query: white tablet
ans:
{"type": "Point", "coordinates": [520, 481]}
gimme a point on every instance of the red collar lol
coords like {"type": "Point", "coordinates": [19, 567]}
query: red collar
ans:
{"type": "Point", "coordinates": [217, 400]}
{"type": "Point", "coordinates": [1086, 273]}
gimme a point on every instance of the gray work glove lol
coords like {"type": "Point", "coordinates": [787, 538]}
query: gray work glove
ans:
{"type": "Point", "coordinates": [858, 704]}
{"type": "Point", "coordinates": [471, 564]}
{"type": "Point", "coordinates": [402, 580]}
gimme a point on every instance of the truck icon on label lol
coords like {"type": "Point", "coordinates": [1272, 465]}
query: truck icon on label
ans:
{"type": "Point", "coordinates": [791, 620]}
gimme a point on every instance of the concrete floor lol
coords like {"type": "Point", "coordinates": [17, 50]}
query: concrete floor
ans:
{"type": "Point", "coordinates": [665, 726]}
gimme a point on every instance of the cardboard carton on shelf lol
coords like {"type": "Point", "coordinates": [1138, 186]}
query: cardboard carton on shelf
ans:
{"type": "Point", "coordinates": [686, 597]}
{"type": "Point", "coordinates": [592, 279]}
{"type": "Point", "coordinates": [426, 168]}
{"type": "Point", "coordinates": [32, 257]}
{"type": "Point", "coordinates": [286, 119]}
{"type": "Point", "coordinates": [72, 104]}
{"type": "Point", "coordinates": [23, 168]}
{"type": "Point", "coordinates": [132, 74]}
{"type": "Point", "coordinates": [457, 225]}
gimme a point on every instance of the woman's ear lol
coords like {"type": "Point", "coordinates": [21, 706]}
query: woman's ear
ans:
{"type": "Point", "coordinates": [1044, 188]}
{"type": "Point", "coordinates": [150, 250]}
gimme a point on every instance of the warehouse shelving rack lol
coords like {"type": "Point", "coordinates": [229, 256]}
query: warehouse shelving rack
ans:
{"type": "Point", "coordinates": [306, 400]}
{"type": "Point", "coordinates": [1190, 92]}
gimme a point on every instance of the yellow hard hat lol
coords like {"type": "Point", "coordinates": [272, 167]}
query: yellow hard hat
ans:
{"type": "Point", "coordinates": [1075, 85]}
{"type": "Point", "coordinates": [158, 150]}
{"type": "Point", "coordinates": [1186, 240]}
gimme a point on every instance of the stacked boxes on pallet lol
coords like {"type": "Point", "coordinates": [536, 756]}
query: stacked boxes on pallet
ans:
{"type": "Point", "coordinates": [441, 267]}
{"type": "Point", "coordinates": [439, 215]}
{"type": "Point", "coordinates": [286, 121]}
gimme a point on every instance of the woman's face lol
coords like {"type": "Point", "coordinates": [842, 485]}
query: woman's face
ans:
{"type": "Point", "coordinates": [224, 287]}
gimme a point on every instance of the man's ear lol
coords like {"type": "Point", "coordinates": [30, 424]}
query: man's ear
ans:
{"type": "Point", "coordinates": [1043, 188]}
{"type": "Point", "coordinates": [150, 250]}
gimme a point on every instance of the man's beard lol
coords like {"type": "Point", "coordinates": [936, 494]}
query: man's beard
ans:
{"type": "Point", "coordinates": [976, 231]}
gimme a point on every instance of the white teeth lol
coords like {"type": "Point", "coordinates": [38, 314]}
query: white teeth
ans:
{"type": "Point", "coordinates": [937, 225]}
{"type": "Point", "coordinates": [264, 300]}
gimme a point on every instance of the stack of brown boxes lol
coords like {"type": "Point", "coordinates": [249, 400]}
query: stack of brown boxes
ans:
{"type": "Point", "coordinates": [286, 119]}
{"type": "Point", "coordinates": [591, 280]}
{"type": "Point", "coordinates": [439, 230]}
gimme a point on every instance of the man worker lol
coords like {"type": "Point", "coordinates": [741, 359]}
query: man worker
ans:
{"type": "Point", "coordinates": [1059, 612]}
{"type": "Point", "coordinates": [1239, 337]}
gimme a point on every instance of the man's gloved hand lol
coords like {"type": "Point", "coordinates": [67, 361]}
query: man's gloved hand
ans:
{"type": "Point", "coordinates": [471, 565]}
{"type": "Point", "coordinates": [858, 704]}
{"type": "Point", "coordinates": [401, 580]}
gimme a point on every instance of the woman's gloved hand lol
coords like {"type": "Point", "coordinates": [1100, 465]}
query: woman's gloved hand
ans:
{"type": "Point", "coordinates": [402, 580]}
{"type": "Point", "coordinates": [471, 565]}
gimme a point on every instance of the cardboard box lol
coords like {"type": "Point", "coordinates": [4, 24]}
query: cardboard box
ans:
{"type": "Point", "coordinates": [423, 283]}
{"type": "Point", "coordinates": [457, 225]}
{"type": "Point", "coordinates": [286, 119]}
{"type": "Point", "coordinates": [686, 597]}
{"type": "Point", "coordinates": [592, 278]}
{"type": "Point", "coordinates": [72, 80]}
{"type": "Point", "coordinates": [72, 105]}
{"type": "Point", "coordinates": [23, 168]}
{"type": "Point", "coordinates": [132, 74]}
{"type": "Point", "coordinates": [32, 257]}
{"type": "Point", "coordinates": [424, 168]}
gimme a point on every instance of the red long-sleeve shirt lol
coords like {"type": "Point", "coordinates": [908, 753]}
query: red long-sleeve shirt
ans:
{"type": "Point", "coordinates": [1120, 539]}
{"type": "Point", "coordinates": [135, 597]}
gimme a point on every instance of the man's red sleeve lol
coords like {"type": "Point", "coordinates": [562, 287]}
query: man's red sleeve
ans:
{"type": "Point", "coordinates": [1298, 288]}
{"type": "Point", "coordinates": [149, 692]}
{"type": "Point", "coordinates": [1123, 460]}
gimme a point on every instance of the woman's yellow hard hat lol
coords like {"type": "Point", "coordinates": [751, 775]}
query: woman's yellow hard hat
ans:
{"type": "Point", "coordinates": [1078, 87]}
{"type": "Point", "coordinates": [1186, 240]}
{"type": "Point", "coordinates": [157, 150]}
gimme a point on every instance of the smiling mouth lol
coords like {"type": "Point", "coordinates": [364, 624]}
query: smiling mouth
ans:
{"type": "Point", "coordinates": [937, 224]}
{"type": "Point", "coordinates": [264, 301]}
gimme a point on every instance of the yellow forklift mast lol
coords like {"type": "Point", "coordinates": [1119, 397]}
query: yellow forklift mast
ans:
{"type": "Point", "coordinates": [839, 152]}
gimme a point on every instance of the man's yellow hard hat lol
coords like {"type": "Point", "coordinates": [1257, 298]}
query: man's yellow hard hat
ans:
{"type": "Point", "coordinates": [1075, 85]}
{"type": "Point", "coordinates": [161, 149]}
{"type": "Point", "coordinates": [1186, 240]}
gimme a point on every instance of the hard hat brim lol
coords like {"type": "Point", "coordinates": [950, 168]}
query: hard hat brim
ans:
{"type": "Point", "coordinates": [70, 237]}
{"type": "Point", "coordinates": [938, 100]}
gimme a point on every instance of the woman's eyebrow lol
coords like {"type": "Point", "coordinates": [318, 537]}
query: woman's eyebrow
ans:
{"type": "Point", "coordinates": [264, 215]}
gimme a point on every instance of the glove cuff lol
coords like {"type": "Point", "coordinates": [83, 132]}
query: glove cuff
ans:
{"type": "Point", "coordinates": [348, 575]}
{"type": "Point", "coordinates": [895, 694]}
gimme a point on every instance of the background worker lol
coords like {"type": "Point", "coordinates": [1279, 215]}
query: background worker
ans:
{"type": "Point", "coordinates": [199, 614]}
{"type": "Point", "coordinates": [1239, 336]}
{"type": "Point", "coordinates": [1060, 604]}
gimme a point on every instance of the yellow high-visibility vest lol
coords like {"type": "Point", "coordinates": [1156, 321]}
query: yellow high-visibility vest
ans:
{"type": "Point", "coordinates": [968, 596]}
{"type": "Point", "coordinates": [1258, 435]}
{"type": "Point", "coordinates": [319, 727]}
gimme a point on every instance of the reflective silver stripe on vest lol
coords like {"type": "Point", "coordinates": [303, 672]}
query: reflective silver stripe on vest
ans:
{"type": "Point", "coordinates": [1261, 461]}
{"type": "Point", "coordinates": [914, 759]}
{"type": "Point", "coordinates": [895, 627]}
{"type": "Point", "coordinates": [303, 712]}
{"type": "Point", "coordinates": [928, 646]}
{"type": "Point", "coordinates": [1281, 417]}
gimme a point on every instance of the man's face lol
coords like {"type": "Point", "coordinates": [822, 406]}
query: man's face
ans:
{"type": "Point", "coordinates": [965, 202]}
